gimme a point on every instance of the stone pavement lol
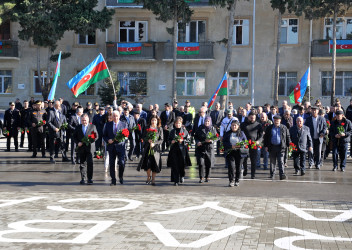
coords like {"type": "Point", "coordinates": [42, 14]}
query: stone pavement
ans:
{"type": "Point", "coordinates": [43, 207]}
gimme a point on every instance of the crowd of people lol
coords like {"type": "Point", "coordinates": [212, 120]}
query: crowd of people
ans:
{"type": "Point", "coordinates": [126, 132]}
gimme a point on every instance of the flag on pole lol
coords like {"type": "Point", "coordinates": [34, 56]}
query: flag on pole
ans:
{"type": "Point", "coordinates": [94, 72]}
{"type": "Point", "coordinates": [220, 90]}
{"type": "Point", "coordinates": [298, 93]}
{"type": "Point", "coordinates": [57, 74]}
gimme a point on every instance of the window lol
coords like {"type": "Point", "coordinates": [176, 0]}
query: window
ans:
{"type": "Point", "coordinates": [289, 31]}
{"type": "Point", "coordinates": [241, 32]}
{"type": "Point", "coordinates": [5, 31]}
{"type": "Point", "coordinates": [133, 83]}
{"type": "Point", "coordinates": [133, 31]}
{"type": "Point", "coordinates": [343, 84]}
{"type": "Point", "coordinates": [5, 81]}
{"type": "Point", "coordinates": [190, 83]}
{"type": "Point", "coordinates": [192, 32]}
{"type": "Point", "coordinates": [287, 83]}
{"type": "Point", "coordinates": [343, 28]}
{"type": "Point", "coordinates": [238, 84]}
{"type": "Point", "coordinates": [37, 86]}
{"type": "Point", "coordinates": [86, 39]}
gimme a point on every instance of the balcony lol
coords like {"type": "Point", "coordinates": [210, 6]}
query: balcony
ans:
{"type": "Point", "coordinates": [132, 4]}
{"type": "Point", "coordinates": [147, 53]}
{"type": "Point", "coordinates": [320, 48]}
{"type": "Point", "coordinates": [9, 48]}
{"type": "Point", "coordinates": [205, 52]}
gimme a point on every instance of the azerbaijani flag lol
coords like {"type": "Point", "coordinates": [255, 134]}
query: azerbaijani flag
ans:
{"type": "Point", "coordinates": [57, 74]}
{"type": "Point", "coordinates": [129, 48]}
{"type": "Point", "coordinates": [298, 93]}
{"type": "Point", "coordinates": [342, 46]}
{"type": "Point", "coordinates": [220, 90]}
{"type": "Point", "coordinates": [94, 72]}
{"type": "Point", "coordinates": [0, 47]}
{"type": "Point", "coordinates": [187, 48]}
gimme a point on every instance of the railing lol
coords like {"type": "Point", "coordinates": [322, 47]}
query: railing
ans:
{"type": "Point", "coordinates": [320, 48]}
{"type": "Point", "coordinates": [9, 48]}
{"type": "Point", "coordinates": [147, 52]}
{"type": "Point", "coordinates": [132, 3]}
{"type": "Point", "coordinates": [205, 52]}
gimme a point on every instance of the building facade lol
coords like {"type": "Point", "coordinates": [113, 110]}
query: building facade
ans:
{"type": "Point", "coordinates": [303, 44]}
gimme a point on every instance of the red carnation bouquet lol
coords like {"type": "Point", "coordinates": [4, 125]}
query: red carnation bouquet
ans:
{"type": "Point", "coordinates": [152, 134]}
{"type": "Point", "coordinates": [254, 144]}
{"type": "Point", "coordinates": [24, 130]}
{"type": "Point", "coordinates": [41, 123]}
{"type": "Point", "coordinates": [212, 137]}
{"type": "Point", "coordinates": [122, 135]}
{"type": "Point", "coordinates": [328, 124]}
{"type": "Point", "coordinates": [99, 155]}
{"type": "Point", "coordinates": [179, 137]}
{"type": "Point", "coordinates": [291, 148]}
{"type": "Point", "coordinates": [90, 138]}
{"type": "Point", "coordinates": [243, 144]}
{"type": "Point", "coordinates": [6, 133]}
{"type": "Point", "coordinates": [341, 128]}
{"type": "Point", "coordinates": [138, 127]}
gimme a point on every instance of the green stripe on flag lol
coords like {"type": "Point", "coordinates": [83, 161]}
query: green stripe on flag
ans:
{"type": "Point", "coordinates": [129, 52]}
{"type": "Point", "coordinates": [292, 97]}
{"type": "Point", "coordinates": [96, 78]}
{"type": "Point", "coordinates": [196, 52]}
{"type": "Point", "coordinates": [344, 51]}
{"type": "Point", "coordinates": [222, 91]}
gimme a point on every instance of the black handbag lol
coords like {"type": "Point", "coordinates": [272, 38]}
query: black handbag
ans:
{"type": "Point", "coordinates": [244, 152]}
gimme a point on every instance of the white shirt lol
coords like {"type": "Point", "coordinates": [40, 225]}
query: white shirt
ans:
{"type": "Point", "coordinates": [226, 125]}
{"type": "Point", "coordinates": [201, 120]}
{"type": "Point", "coordinates": [78, 119]}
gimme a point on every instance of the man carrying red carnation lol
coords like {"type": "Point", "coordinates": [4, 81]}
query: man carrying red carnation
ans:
{"type": "Point", "coordinates": [341, 130]}
{"type": "Point", "coordinates": [85, 136]}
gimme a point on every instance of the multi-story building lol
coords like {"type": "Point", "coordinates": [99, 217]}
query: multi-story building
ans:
{"type": "Point", "coordinates": [198, 75]}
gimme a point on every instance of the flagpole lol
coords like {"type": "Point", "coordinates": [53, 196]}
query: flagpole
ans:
{"type": "Point", "coordinates": [112, 82]}
{"type": "Point", "coordinates": [227, 90]}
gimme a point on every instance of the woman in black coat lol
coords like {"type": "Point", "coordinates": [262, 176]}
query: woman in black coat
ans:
{"type": "Point", "coordinates": [234, 156]}
{"type": "Point", "coordinates": [205, 149]}
{"type": "Point", "coordinates": [152, 162]}
{"type": "Point", "coordinates": [178, 157]}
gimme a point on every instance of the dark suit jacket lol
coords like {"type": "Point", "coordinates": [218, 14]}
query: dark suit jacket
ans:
{"type": "Point", "coordinates": [347, 127]}
{"type": "Point", "coordinates": [130, 124]}
{"type": "Point", "coordinates": [138, 134]}
{"type": "Point", "coordinates": [304, 116]}
{"type": "Point", "coordinates": [73, 122]}
{"type": "Point", "coordinates": [321, 126]}
{"type": "Point", "coordinates": [12, 120]}
{"type": "Point", "coordinates": [78, 136]}
{"type": "Point", "coordinates": [195, 124]}
{"type": "Point", "coordinates": [187, 121]}
{"type": "Point", "coordinates": [54, 123]}
{"type": "Point", "coordinates": [99, 122]}
{"type": "Point", "coordinates": [285, 137]}
{"type": "Point", "coordinates": [301, 139]}
{"type": "Point", "coordinates": [217, 122]}
{"type": "Point", "coordinates": [108, 133]}
{"type": "Point", "coordinates": [167, 121]}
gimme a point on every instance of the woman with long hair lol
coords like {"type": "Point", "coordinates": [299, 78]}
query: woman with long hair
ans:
{"type": "Point", "coordinates": [151, 158]}
{"type": "Point", "coordinates": [178, 157]}
{"type": "Point", "coordinates": [235, 153]}
{"type": "Point", "coordinates": [205, 136]}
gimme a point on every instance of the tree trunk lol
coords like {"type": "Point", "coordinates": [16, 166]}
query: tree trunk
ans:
{"type": "Point", "coordinates": [38, 70]}
{"type": "Point", "coordinates": [277, 65]}
{"type": "Point", "coordinates": [229, 48]}
{"type": "Point", "coordinates": [174, 57]}
{"type": "Point", "coordinates": [333, 66]}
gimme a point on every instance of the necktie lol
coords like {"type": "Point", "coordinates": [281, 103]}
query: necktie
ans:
{"type": "Point", "coordinates": [79, 120]}
{"type": "Point", "coordinates": [202, 122]}
{"type": "Point", "coordinates": [115, 128]}
{"type": "Point", "coordinates": [84, 130]}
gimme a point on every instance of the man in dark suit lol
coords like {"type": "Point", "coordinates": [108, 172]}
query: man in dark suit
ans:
{"type": "Point", "coordinates": [138, 133]}
{"type": "Point", "coordinates": [301, 113]}
{"type": "Point", "coordinates": [12, 123]}
{"type": "Point", "coordinates": [56, 134]}
{"type": "Point", "coordinates": [115, 149]}
{"type": "Point", "coordinates": [99, 122]}
{"type": "Point", "coordinates": [276, 140]}
{"type": "Point", "coordinates": [317, 127]}
{"type": "Point", "coordinates": [74, 122]}
{"type": "Point", "coordinates": [187, 119]}
{"type": "Point", "coordinates": [89, 110]}
{"type": "Point", "coordinates": [25, 112]}
{"type": "Point", "coordinates": [85, 152]}
{"type": "Point", "coordinates": [216, 117]}
{"type": "Point", "coordinates": [300, 136]}
{"type": "Point", "coordinates": [199, 119]}
{"type": "Point", "coordinates": [37, 131]}
{"type": "Point", "coordinates": [167, 118]}
{"type": "Point", "coordinates": [129, 120]}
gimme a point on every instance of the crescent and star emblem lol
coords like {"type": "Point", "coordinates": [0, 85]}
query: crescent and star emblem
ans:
{"type": "Point", "coordinates": [87, 77]}
{"type": "Point", "coordinates": [344, 46]}
{"type": "Point", "coordinates": [186, 48]}
{"type": "Point", "coordinates": [129, 49]}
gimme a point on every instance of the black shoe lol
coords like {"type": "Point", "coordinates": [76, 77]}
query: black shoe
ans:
{"type": "Point", "coordinates": [252, 177]}
{"type": "Point", "coordinates": [90, 182]}
{"type": "Point", "coordinates": [56, 156]}
{"type": "Point", "coordinates": [65, 159]}
{"type": "Point", "coordinates": [153, 184]}
{"type": "Point", "coordinates": [121, 180]}
{"type": "Point", "coordinates": [73, 162]}
{"type": "Point", "coordinates": [21, 146]}
{"type": "Point", "coordinates": [16, 149]}
{"type": "Point", "coordinates": [265, 168]}
{"type": "Point", "coordinates": [334, 169]}
{"type": "Point", "coordinates": [283, 177]}
{"type": "Point", "coordinates": [82, 182]}
{"type": "Point", "coordinates": [34, 156]}
{"type": "Point", "coordinates": [29, 150]}
{"type": "Point", "coordinates": [206, 179]}
{"type": "Point", "coordinates": [43, 156]}
{"type": "Point", "coordinates": [201, 181]}
{"type": "Point", "coordinates": [245, 172]}
{"type": "Point", "coordinates": [296, 171]}
{"type": "Point", "coordinates": [7, 150]}
{"type": "Point", "coordinates": [52, 160]}
{"type": "Point", "coordinates": [130, 158]}
{"type": "Point", "coordinates": [113, 184]}
{"type": "Point", "coordinates": [302, 173]}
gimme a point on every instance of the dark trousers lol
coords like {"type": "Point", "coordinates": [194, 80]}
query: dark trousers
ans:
{"type": "Point", "coordinates": [253, 155]}
{"type": "Point", "coordinates": [138, 150]}
{"type": "Point", "coordinates": [15, 138]}
{"type": "Point", "coordinates": [339, 150]}
{"type": "Point", "coordinates": [234, 162]}
{"type": "Point", "coordinates": [74, 156]}
{"type": "Point", "coordinates": [57, 144]}
{"type": "Point", "coordinates": [299, 160]}
{"type": "Point", "coordinates": [67, 140]}
{"type": "Point", "coordinates": [323, 152]}
{"type": "Point", "coordinates": [86, 165]}
{"type": "Point", "coordinates": [165, 143]}
{"type": "Point", "coordinates": [204, 167]}
{"type": "Point", "coordinates": [37, 141]}
{"type": "Point", "coordinates": [315, 156]}
{"type": "Point", "coordinates": [98, 143]}
{"type": "Point", "coordinates": [276, 155]}
{"type": "Point", "coordinates": [29, 137]}
{"type": "Point", "coordinates": [132, 146]}
{"type": "Point", "coordinates": [121, 162]}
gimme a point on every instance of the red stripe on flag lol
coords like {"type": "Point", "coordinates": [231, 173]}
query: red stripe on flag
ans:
{"type": "Point", "coordinates": [224, 84]}
{"type": "Point", "coordinates": [130, 49]}
{"type": "Point", "coordinates": [297, 92]}
{"type": "Point", "coordinates": [195, 48]}
{"type": "Point", "coordinates": [341, 46]}
{"type": "Point", "coordinates": [100, 67]}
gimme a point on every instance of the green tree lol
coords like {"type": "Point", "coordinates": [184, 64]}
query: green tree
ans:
{"type": "Point", "coordinates": [325, 8]}
{"type": "Point", "coordinates": [5, 10]}
{"type": "Point", "coordinates": [179, 13]}
{"type": "Point", "coordinates": [104, 91]}
{"type": "Point", "coordinates": [46, 21]}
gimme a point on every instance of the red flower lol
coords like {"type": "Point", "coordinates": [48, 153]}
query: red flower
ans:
{"type": "Point", "coordinates": [250, 141]}
{"type": "Point", "coordinates": [142, 141]}
{"type": "Point", "coordinates": [217, 135]}
{"type": "Point", "coordinates": [255, 147]}
{"type": "Point", "coordinates": [328, 122]}
{"type": "Point", "coordinates": [246, 146]}
{"type": "Point", "coordinates": [125, 132]}
{"type": "Point", "coordinates": [343, 124]}
{"type": "Point", "coordinates": [139, 127]}
{"type": "Point", "coordinates": [44, 122]}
